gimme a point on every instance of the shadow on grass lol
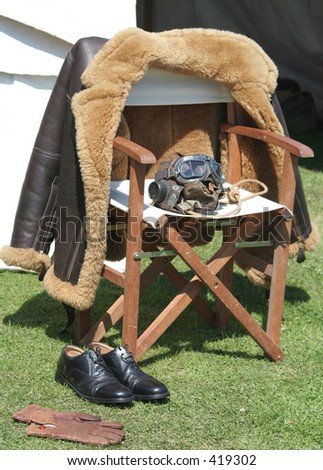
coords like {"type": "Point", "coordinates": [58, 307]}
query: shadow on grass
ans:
{"type": "Point", "coordinates": [40, 311]}
{"type": "Point", "coordinates": [189, 331]}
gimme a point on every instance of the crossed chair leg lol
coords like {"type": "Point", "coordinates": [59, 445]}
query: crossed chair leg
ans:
{"type": "Point", "coordinates": [216, 275]}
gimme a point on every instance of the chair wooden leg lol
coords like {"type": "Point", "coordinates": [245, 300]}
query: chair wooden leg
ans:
{"type": "Point", "coordinates": [115, 312]}
{"type": "Point", "coordinates": [222, 313]}
{"type": "Point", "coordinates": [189, 293]}
{"type": "Point", "coordinates": [277, 293]}
{"type": "Point", "coordinates": [220, 291]}
{"type": "Point", "coordinates": [201, 306]}
{"type": "Point", "coordinates": [133, 266]}
{"type": "Point", "coordinates": [131, 306]}
{"type": "Point", "coordinates": [225, 275]}
{"type": "Point", "coordinates": [164, 265]}
{"type": "Point", "coordinates": [168, 316]}
{"type": "Point", "coordinates": [130, 312]}
{"type": "Point", "coordinates": [83, 322]}
{"type": "Point", "coordinates": [221, 263]}
{"type": "Point", "coordinates": [110, 318]}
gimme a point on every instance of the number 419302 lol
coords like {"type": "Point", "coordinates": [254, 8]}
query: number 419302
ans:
{"type": "Point", "coordinates": [236, 459]}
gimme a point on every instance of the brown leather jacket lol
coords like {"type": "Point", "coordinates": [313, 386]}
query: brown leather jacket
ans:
{"type": "Point", "coordinates": [51, 205]}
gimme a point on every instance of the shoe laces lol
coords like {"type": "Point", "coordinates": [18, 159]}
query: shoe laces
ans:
{"type": "Point", "coordinates": [97, 358]}
{"type": "Point", "coordinates": [127, 357]}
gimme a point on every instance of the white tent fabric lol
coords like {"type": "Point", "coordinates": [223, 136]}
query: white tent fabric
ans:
{"type": "Point", "coordinates": [71, 20]}
{"type": "Point", "coordinates": [35, 37]}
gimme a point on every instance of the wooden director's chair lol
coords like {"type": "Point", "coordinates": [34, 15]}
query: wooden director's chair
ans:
{"type": "Point", "coordinates": [130, 204]}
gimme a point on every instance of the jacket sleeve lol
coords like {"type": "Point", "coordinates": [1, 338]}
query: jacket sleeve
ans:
{"type": "Point", "coordinates": [34, 225]}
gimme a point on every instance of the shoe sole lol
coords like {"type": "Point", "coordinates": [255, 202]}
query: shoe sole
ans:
{"type": "Point", "coordinates": [152, 397]}
{"type": "Point", "coordinates": [63, 380]}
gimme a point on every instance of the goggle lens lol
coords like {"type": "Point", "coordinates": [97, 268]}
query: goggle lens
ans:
{"type": "Point", "coordinates": [217, 171]}
{"type": "Point", "coordinates": [197, 168]}
{"type": "Point", "coordinates": [192, 169]}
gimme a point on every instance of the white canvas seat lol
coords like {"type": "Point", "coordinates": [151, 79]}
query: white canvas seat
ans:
{"type": "Point", "coordinates": [119, 198]}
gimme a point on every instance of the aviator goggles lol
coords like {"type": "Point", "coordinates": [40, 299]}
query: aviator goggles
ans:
{"type": "Point", "coordinates": [198, 167]}
{"type": "Point", "coordinates": [189, 168]}
{"type": "Point", "coordinates": [189, 181]}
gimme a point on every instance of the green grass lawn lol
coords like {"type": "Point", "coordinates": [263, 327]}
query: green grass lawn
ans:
{"type": "Point", "coordinates": [224, 393]}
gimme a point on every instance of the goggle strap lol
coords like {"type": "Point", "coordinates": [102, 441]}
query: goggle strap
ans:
{"type": "Point", "coordinates": [165, 173]}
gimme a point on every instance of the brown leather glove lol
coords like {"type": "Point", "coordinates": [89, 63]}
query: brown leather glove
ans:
{"type": "Point", "coordinates": [88, 429]}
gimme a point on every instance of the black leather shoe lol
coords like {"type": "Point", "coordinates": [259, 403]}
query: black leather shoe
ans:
{"type": "Point", "coordinates": [121, 362]}
{"type": "Point", "coordinates": [87, 374]}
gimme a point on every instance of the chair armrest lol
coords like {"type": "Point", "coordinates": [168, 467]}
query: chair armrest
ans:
{"type": "Point", "coordinates": [290, 145]}
{"type": "Point", "coordinates": [134, 151]}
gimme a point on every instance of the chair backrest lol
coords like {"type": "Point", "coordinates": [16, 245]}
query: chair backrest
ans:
{"type": "Point", "coordinates": [161, 87]}
{"type": "Point", "coordinates": [170, 112]}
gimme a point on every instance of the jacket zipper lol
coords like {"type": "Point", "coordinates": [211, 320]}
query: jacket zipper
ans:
{"type": "Point", "coordinates": [50, 212]}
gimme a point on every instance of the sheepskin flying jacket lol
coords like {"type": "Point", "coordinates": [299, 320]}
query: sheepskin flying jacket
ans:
{"type": "Point", "coordinates": [66, 190]}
